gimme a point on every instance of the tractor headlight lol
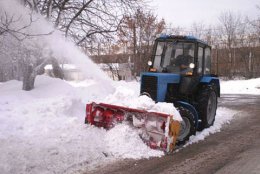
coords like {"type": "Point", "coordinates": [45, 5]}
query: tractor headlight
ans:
{"type": "Point", "coordinates": [192, 65]}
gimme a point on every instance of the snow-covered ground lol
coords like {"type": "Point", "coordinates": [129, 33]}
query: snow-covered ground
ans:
{"type": "Point", "coordinates": [43, 130]}
{"type": "Point", "coordinates": [251, 86]}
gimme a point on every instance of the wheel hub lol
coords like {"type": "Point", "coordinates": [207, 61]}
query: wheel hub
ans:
{"type": "Point", "coordinates": [185, 128]}
{"type": "Point", "coordinates": [211, 109]}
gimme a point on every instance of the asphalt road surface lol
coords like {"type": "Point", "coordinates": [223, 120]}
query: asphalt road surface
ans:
{"type": "Point", "coordinates": [236, 149]}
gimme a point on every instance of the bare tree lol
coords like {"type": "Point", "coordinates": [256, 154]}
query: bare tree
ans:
{"type": "Point", "coordinates": [138, 33]}
{"type": "Point", "coordinates": [32, 70]}
{"type": "Point", "coordinates": [198, 30]}
{"type": "Point", "coordinates": [230, 24]}
{"type": "Point", "coordinates": [16, 35]}
{"type": "Point", "coordinates": [11, 24]}
{"type": "Point", "coordinates": [86, 20]}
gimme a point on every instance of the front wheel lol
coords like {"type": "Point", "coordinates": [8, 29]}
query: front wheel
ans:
{"type": "Point", "coordinates": [188, 127]}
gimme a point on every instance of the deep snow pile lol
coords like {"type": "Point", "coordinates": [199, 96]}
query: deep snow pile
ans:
{"type": "Point", "coordinates": [43, 131]}
{"type": "Point", "coordinates": [223, 116]}
{"type": "Point", "coordinates": [251, 86]}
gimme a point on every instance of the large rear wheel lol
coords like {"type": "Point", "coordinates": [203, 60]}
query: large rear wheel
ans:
{"type": "Point", "coordinates": [207, 106]}
{"type": "Point", "coordinates": [188, 127]}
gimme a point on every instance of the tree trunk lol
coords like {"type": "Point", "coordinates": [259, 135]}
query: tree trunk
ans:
{"type": "Point", "coordinates": [31, 72]}
{"type": "Point", "coordinates": [28, 78]}
{"type": "Point", "coordinates": [57, 71]}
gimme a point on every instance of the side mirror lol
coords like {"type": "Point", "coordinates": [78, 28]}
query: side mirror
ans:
{"type": "Point", "coordinates": [192, 65]}
{"type": "Point", "coordinates": [149, 63]}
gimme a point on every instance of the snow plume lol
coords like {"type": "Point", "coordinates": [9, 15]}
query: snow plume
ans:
{"type": "Point", "coordinates": [48, 41]}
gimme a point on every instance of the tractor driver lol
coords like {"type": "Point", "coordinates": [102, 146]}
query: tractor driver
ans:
{"type": "Point", "coordinates": [183, 61]}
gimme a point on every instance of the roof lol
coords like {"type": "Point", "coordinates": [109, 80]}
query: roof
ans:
{"type": "Point", "coordinates": [63, 66]}
{"type": "Point", "coordinates": [181, 37]}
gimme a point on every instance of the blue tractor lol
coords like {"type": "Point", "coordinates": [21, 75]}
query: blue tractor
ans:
{"type": "Point", "coordinates": [180, 73]}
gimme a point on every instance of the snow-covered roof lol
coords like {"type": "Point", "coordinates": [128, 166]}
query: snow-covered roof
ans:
{"type": "Point", "coordinates": [63, 66]}
{"type": "Point", "coordinates": [108, 65]}
{"type": "Point", "coordinates": [115, 66]}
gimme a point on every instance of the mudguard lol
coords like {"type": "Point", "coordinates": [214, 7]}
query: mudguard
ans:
{"type": "Point", "coordinates": [192, 109]}
{"type": "Point", "coordinates": [211, 79]}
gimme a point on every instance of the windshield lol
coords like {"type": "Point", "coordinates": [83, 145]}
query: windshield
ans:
{"type": "Point", "coordinates": [174, 56]}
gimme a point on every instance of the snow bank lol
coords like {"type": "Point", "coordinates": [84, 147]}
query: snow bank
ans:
{"type": "Point", "coordinates": [251, 86]}
{"type": "Point", "coordinates": [223, 116]}
{"type": "Point", "coordinates": [43, 130]}
{"type": "Point", "coordinates": [124, 141]}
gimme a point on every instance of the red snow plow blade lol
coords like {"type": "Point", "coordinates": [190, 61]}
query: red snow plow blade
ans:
{"type": "Point", "coordinates": [158, 130]}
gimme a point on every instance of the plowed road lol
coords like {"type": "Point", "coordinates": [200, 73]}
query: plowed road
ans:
{"type": "Point", "coordinates": [236, 149]}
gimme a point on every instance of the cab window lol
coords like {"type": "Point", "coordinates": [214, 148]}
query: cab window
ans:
{"type": "Point", "coordinates": [158, 54]}
{"type": "Point", "coordinates": [200, 60]}
{"type": "Point", "coordinates": [207, 62]}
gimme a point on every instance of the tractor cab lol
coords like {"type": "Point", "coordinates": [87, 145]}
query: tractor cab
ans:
{"type": "Point", "coordinates": [179, 66]}
{"type": "Point", "coordinates": [182, 55]}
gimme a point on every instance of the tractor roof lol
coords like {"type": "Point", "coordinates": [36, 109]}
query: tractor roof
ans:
{"type": "Point", "coordinates": [180, 37]}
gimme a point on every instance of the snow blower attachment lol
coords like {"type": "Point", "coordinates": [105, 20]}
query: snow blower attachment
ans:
{"type": "Point", "coordinates": [158, 130]}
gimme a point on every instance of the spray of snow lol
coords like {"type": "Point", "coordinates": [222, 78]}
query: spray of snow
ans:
{"type": "Point", "coordinates": [54, 43]}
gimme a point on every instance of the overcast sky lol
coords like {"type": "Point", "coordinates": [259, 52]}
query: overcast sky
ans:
{"type": "Point", "coordinates": [184, 13]}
